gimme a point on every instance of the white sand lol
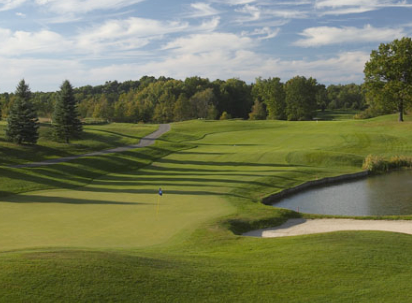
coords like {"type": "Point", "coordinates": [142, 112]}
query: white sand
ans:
{"type": "Point", "coordinates": [296, 227]}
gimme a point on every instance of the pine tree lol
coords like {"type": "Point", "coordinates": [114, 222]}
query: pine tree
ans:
{"type": "Point", "coordinates": [66, 124]}
{"type": "Point", "coordinates": [22, 121]}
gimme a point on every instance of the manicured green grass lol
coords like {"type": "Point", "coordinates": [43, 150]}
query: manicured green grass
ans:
{"type": "Point", "coordinates": [338, 267]}
{"type": "Point", "coordinates": [111, 241]}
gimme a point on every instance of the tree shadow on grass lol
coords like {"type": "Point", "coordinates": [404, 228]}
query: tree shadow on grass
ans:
{"type": "Point", "coordinates": [17, 177]}
{"type": "Point", "coordinates": [219, 164]}
{"type": "Point", "coordinates": [200, 182]}
{"type": "Point", "coordinates": [46, 199]}
{"type": "Point", "coordinates": [116, 133]}
{"type": "Point", "coordinates": [203, 153]}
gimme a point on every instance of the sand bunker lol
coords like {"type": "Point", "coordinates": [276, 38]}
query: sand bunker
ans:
{"type": "Point", "coordinates": [296, 227]}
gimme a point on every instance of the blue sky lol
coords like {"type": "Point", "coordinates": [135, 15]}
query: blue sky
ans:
{"type": "Point", "coordinates": [94, 41]}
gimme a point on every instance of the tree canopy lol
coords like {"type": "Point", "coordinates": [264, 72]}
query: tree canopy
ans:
{"type": "Point", "coordinates": [163, 100]}
{"type": "Point", "coordinates": [388, 76]}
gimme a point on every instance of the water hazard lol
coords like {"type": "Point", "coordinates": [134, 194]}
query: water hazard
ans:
{"type": "Point", "coordinates": [389, 194]}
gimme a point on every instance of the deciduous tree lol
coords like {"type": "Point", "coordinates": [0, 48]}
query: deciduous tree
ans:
{"type": "Point", "coordinates": [271, 92]}
{"type": "Point", "coordinates": [300, 98]}
{"type": "Point", "coordinates": [388, 76]}
{"type": "Point", "coordinates": [258, 111]}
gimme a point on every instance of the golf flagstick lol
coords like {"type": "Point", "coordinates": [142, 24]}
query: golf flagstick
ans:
{"type": "Point", "coordinates": [158, 202]}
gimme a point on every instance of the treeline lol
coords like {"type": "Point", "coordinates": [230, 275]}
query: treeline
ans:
{"type": "Point", "coordinates": [165, 99]}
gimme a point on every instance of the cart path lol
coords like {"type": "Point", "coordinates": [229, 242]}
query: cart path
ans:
{"type": "Point", "coordinates": [297, 227]}
{"type": "Point", "coordinates": [145, 141]}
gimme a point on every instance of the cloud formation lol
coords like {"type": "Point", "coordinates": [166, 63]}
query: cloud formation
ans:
{"type": "Point", "coordinates": [324, 35]}
{"type": "Point", "coordinates": [84, 6]}
{"type": "Point", "coordinates": [202, 9]}
{"type": "Point", "coordinates": [92, 41]}
{"type": "Point", "coordinates": [344, 7]}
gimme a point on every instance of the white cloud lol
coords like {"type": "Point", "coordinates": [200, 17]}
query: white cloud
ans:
{"type": "Point", "coordinates": [248, 65]}
{"type": "Point", "coordinates": [256, 13]}
{"type": "Point", "coordinates": [22, 42]}
{"type": "Point", "coordinates": [319, 36]}
{"type": "Point", "coordinates": [234, 2]}
{"type": "Point", "coordinates": [202, 9]}
{"type": "Point", "coordinates": [112, 39]}
{"type": "Point", "coordinates": [209, 25]}
{"type": "Point", "coordinates": [342, 7]}
{"type": "Point", "coordinates": [344, 68]}
{"type": "Point", "coordinates": [340, 3]}
{"type": "Point", "coordinates": [203, 43]}
{"type": "Point", "coordinates": [287, 14]}
{"type": "Point", "coordinates": [129, 34]}
{"type": "Point", "coordinates": [263, 33]}
{"type": "Point", "coordinates": [63, 7]}
{"type": "Point", "coordinates": [41, 74]}
{"type": "Point", "coordinates": [6, 5]}
{"type": "Point", "coordinates": [251, 10]}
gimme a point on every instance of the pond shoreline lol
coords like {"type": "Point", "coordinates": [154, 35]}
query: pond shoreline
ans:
{"type": "Point", "coordinates": [272, 199]}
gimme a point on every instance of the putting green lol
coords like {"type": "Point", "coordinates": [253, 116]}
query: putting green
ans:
{"type": "Point", "coordinates": [120, 211]}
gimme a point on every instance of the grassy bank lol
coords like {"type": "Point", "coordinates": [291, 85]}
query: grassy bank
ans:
{"type": "Point", "coordinates": [94, 138]}
{"type": "Point", "coordinates": [114, 240]}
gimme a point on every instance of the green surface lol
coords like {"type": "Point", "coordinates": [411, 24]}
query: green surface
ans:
{"type": "Point", "coordinates": [112, 241]}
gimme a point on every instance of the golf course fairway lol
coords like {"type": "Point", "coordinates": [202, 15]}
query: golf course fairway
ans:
{"type": "Point", "coordinates": [96, 230]}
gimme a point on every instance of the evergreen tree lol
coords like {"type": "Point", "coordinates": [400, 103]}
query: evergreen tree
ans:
{"type": "Point", "coordinates": [66, 124]}
{"type": "Point", "coordinates": [22, 121]}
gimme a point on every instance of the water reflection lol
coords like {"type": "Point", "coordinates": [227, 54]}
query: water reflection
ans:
{"type": "Point", "coordinates": [389, 194]}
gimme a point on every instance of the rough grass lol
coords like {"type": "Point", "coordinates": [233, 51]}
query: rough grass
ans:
{"type": "Point", "coordinates": [213, 175]}
{"type": "Point", "coordinates": [95, 137]}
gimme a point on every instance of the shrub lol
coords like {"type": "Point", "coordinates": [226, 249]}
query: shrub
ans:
{"type": "Point", "coordinates": [225, 116]}
{"type": "Point", "coordinates": [375, 164]}
{"type": "Point", "coordinates": [400, 161]}
{"type": "Point", "coordinates": [380, 164]}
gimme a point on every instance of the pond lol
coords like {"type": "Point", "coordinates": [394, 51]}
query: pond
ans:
{"type": "Point", "coordinates": [388, 194]}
